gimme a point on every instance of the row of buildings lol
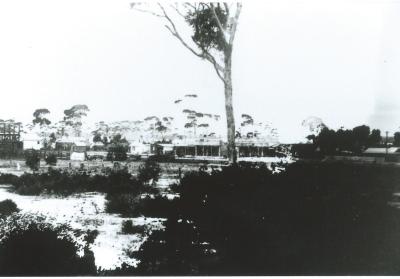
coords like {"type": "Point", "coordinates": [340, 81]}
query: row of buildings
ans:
{"type": "Point", "coordinates": [13, 145]}
{"type": "Point", "coordinates": [74, 148]}
{"type": "Point", "coordinates": [195, 148]}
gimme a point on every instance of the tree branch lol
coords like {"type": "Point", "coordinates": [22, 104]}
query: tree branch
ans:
{"type": "Point", "coordinates": [175, 7]}
{"type": "Point", "coordinates": [226, 8]}
{"type": "Point", "coordinates": [204, 54]}
{"type": "Point", "coordinates": [144, 11]}
{"type": "Point", "coordinates": [218, 22]}
{"type": "Point", "coordinates": [235, 23]}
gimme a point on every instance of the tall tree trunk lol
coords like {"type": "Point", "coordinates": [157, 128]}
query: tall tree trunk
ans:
{"type": "Point", "coordinates": [230, 118]}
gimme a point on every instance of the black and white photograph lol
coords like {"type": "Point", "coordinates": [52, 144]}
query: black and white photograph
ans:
{"type": "Point", "coordinates": [171, 138]}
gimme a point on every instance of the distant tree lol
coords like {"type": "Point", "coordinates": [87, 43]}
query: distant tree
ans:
{"type": "Point", "coordinates": [118, 148]}
{"type": "Point", "coordinates": [313, 124]}
{"type": "Point", "coordinates": [396, 139]}
{"type": "Point", "coordinates": [159, 126]}
{"type": "Point", "coordinates": [327, 141]}
{"type": "Point", "coordinates": [250, 128]}
{"type": "Point", "coordinates": [361, 136]}
{"type": "Point", "coordinates": [73, 117]}
{"type": "Point", "coordinates": [53, 138]}
{"type": "Point", "coordinates": [41, 126]}
{"type": "Point", "coordinates": [191, 120]}
{"type": "Point", "coordinates": [345, 140]}
{"type": "Point", "coordinates": [118, 139]}
{"type": "Point", "coordinates": [32, 160]}
{"type": "Point", "coordinates": [355, 140]}
{"type": "Point", "coordinates": [97, 138]}
{"type": "Point", "coordinates": [374, 138]}
{"type": "Point", "coordinates": [61, 127]}
{"type": "Point", "coordinates": [40, 117]}
{"type": "Point", "coordinates": [150, 124]}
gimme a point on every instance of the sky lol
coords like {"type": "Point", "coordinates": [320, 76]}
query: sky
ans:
{"type": "Point", "coordinates": [336, 60]}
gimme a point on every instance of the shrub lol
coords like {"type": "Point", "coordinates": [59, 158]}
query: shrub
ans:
{"type": "Point", "coordinates": [149, 171]}
{"type": "Point", "coordinates": [122, 203]}
{"type": "Point", "coordinates": [157, 207]}
{"type": "Point", "coordinates": [30, 246]}
{"type": "Point", "coordinates": [51, 159]}
{"type": "Point", "coordinates": [7, 178]}
{"type": "Point", "coordinates": [32, 160]}
{"type": "Point", "coordinates": [129, 228]}
{"type": "Point", "coordinates": [7, 207]}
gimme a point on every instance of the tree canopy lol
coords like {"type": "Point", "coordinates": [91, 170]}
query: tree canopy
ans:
{"type": "Point", "coordinates": [40, 117]}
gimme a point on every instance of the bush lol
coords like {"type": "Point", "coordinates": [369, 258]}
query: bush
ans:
{"type": "Point", "coordinates": [312, 219]}
{"type": "Point", "coordinates": [157, 207]}
{"type": "Point", "coordinates": [149, 171]}
{"type": "Point", "coordinates": [122, 203]}
{"type": "Point", "coordinates": [65, 183]}
{"type": "Point", "coordinates": [7, 178]}
{"type": "Point", "coordinates": [7, 207]}
{"type": "Point", "coordinates": [128, 228]}
{"type": "Point", "coordinates": [30, 246]}
{"type": "Point", "coordinates": [51, 159]}
{"type": "Point", "coordinates": [32, 160]}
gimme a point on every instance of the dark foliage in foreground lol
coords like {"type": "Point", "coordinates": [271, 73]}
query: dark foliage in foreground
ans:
{"type": "Point", "coordinates": [128, 228]}
{"type": "Point", "coordinates": [320, 219]}
{"type": "Point", "coordinates": [29, 246]}
{"type": "Point", "coordinates": [7, 207]}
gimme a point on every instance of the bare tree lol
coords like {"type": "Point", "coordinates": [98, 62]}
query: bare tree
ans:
{"type": "Point", "coordinates": [214, 27]}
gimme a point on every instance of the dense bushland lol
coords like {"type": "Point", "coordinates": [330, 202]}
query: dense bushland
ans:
{"type": "Point", "coordinates": [314, 218]}
{"type": "Point", "coordinates": [65, 183]}
{"type": "Point", "coordinates": [123, 191]}
{"type": "Point", "coordinates": [31, 246]}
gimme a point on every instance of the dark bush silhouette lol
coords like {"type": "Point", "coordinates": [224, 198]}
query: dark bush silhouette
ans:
{"type": "Point", "coordinates": [51, 159]}
{"type": "Point", "coordinates": [313, 219]}
{"type": "Point", "coordinates": [30, 246]}
{"type": "Point", "coordinates": [32, 160]}
{"type": "Point", "coordinates": [149, 171]}
{"type": "Point", "coordinates": [65, 183]}
{"type": "Point", "coordinates": [7, 207]}
{"type": "Point", "coordinates": [128, 228]}
{"type": "Point", "coordinates": [356, 140]}
{"type": "Point", "coordinates": [123, 203]}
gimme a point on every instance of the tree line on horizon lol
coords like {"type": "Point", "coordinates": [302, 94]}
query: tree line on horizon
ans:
{"type": "Point", "coordinates": [356, 140]}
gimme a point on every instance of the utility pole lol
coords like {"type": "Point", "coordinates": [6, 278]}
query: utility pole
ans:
{"type": "Point", "coordinates": [386, 142]}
